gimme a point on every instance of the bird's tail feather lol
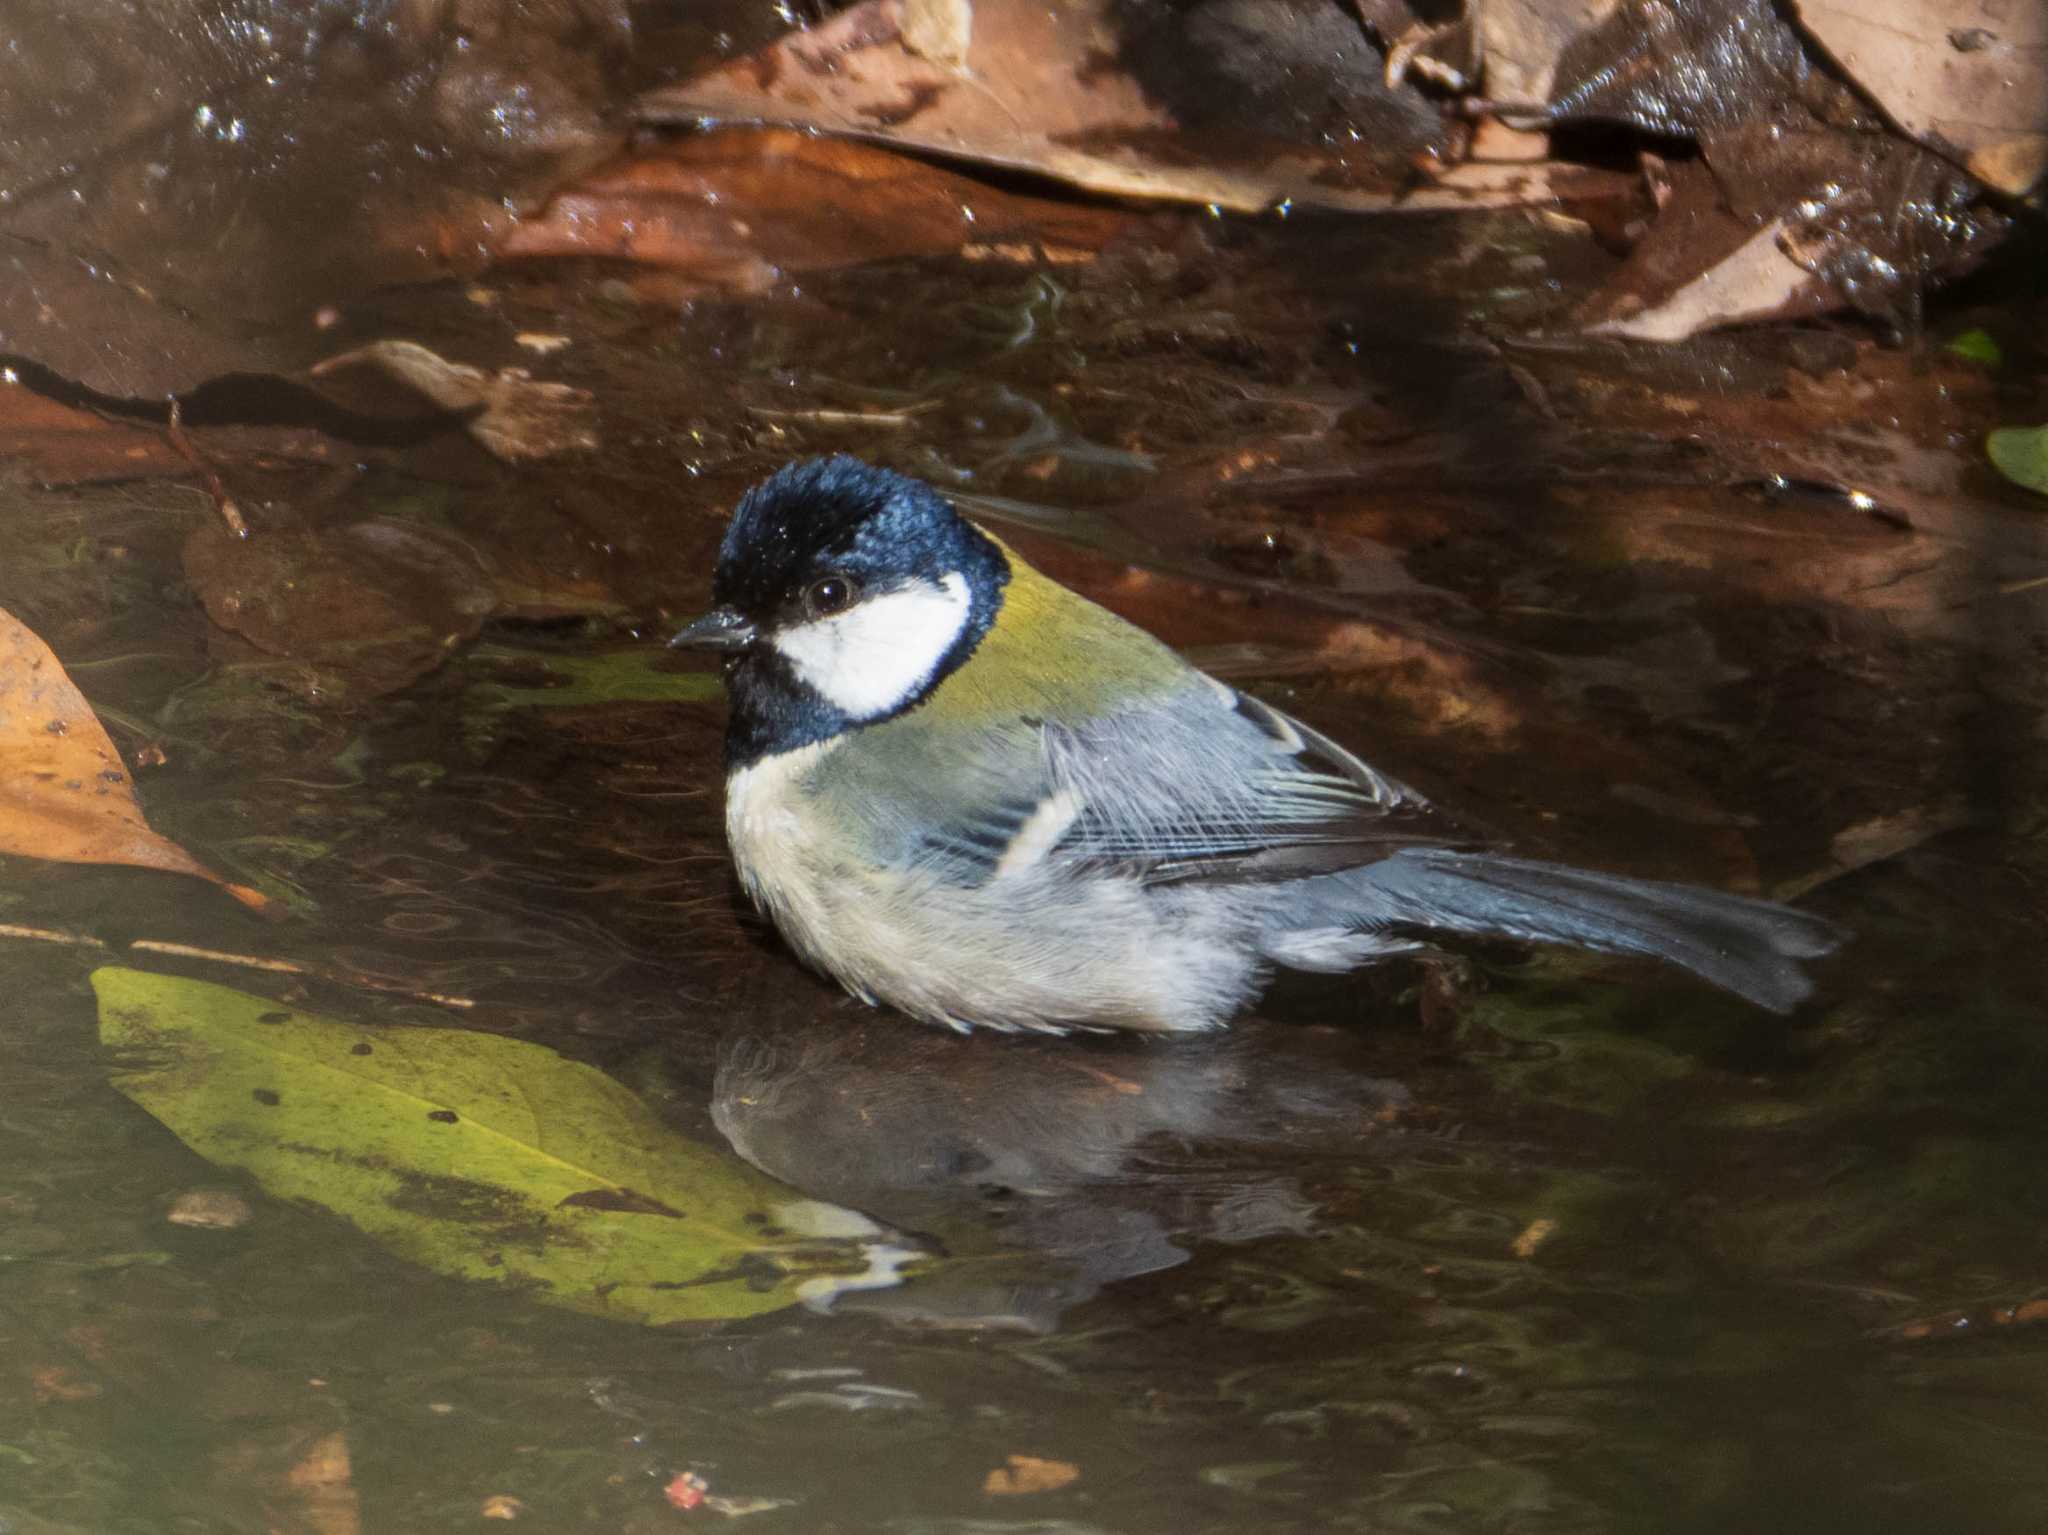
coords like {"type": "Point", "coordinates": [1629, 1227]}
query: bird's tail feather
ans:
{"type": "Point", "coordinates": [1749, 947]}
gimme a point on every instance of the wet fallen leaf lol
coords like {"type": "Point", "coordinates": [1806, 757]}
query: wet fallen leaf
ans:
{"type": "Point", "coordinates": [321, 1483]}
{"type": "Point", "coordinates": [373, 605]}
{"type": "Point", "coordinates": [739, 207]}
{"type": "Point", "coordinates": [479, 1157]}
{"type": "Point", "coordinates": [55, 1383]}
{"type": "Point", "coordinates": [2020, 453]}
{"type": "Point", "coordinates": [1794, 206]}
{"type": "Point", "coordinates": [1533, 1236]}
{"type": "Point", "coordinates": [1024, 1474]}
{"type": "Point", "coordinates": [58, 445]}
{"type": "Point", "coordinates": [1239, 107]}
{"type": "Point", "coordinates": [1979, 346]}
{"type": "Point", "coordinates": [1967, 77]}
{"type": "Point", "coordinates": [1875, 840]}
{"type": "Point", "coordinates": [501, 1506]}
{"type": "Point", "coordinates": [572, 681]}
{"type": "Point", "coordinates": [514, 415]}
{"type": "Point", "coordinates": [1756, 280]}
{"type": "Point", "coordinates": [64, 793]}
{"type": "Point", "coordinates": [185, 189]}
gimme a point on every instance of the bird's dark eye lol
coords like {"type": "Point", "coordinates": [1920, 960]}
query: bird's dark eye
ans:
{"type": "Point", "coordinates": [830, 594]}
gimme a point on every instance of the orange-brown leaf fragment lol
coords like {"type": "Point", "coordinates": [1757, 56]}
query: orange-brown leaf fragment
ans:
{"type": "Point", "coordinates": [64, 792]}
{"type": "Point", "coordinates": [1030, 1473]}
{"type": "Point", "coordinates": [322, 1484]}
{"type": "Point", "coordinates": [55, 1383]}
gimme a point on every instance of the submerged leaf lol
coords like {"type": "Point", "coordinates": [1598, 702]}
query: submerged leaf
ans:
{"type": "Point", "coordinates": [64, 792]}
{"type": "Point", "coordinates": [1978, 345]}
{"type": "Point", "coordinates": [511, 413]}
{"type": "Point", "coordinates": [613, 677]}
{"type": "Point", "coordinates": [479, 1157]}
{"type": "Point", "coordinates": [2020, 453]}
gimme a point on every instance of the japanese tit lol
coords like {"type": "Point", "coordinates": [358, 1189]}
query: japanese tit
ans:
{"type": "Point", "coordinates": [962, 790]}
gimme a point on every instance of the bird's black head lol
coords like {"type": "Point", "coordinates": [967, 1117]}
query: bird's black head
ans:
{"type": "Point", "coordinates": [845, 594]}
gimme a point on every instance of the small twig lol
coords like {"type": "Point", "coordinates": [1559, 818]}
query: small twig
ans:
{"type": "Point", "coordinates": [222, 501]}
{"type": "Point", "coordinates": [49, 935]}
{"type": "Point", "coordinates": [842, 417]}
{"type": "Point", "coordinates": [292, 967]}
{"type": "Point", "coordinates": [246, 961]}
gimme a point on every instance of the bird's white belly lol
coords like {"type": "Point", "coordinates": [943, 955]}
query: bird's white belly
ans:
{"type": "Point", "coordinates": [1033, 952]}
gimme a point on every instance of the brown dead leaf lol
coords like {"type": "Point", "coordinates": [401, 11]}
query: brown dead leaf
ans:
{"type": "Point", "coordinates": [64, 792]}
{"type": "Point", "coordinates": [1968, 78]}
{"type": "Point", "coordinates": [188, 184]}
{"type": "Point", "coordinates": [1795, 207]}
{"type": "Point", "coordinates": [57, 445]}
{"type": "Point", "coordinates": [1084, 93]}
{"type": "Point", "coordinates": [739, 207]}
{"type": "Point", "coordinates": [1533, 1236]}
{"type": "Point", "coordinates": [514, 415]}
{"type": "Point", "coordinates": [372, 606]}
{"type": "Point", "coordinates": [1029, 1473]}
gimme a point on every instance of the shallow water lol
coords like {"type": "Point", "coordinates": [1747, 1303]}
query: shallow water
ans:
{"type": "Point", "coordinates": [1508, 1242]}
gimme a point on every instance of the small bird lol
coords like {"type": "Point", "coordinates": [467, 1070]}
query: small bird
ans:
{"type": "Point", "coordinates": [965, 791]}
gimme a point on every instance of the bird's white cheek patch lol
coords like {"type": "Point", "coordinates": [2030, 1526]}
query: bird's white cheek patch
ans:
{"type": "Point", "coordinates": [875, 656]}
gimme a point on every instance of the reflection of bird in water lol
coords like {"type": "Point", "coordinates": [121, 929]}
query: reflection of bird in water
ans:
{"type": "Point", "coordinates": [965, 791]}
{"type": "Point", "coordinates": [1069, 1158]}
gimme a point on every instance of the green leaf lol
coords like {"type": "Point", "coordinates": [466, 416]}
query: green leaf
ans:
{"type": "Point", "coordinates": [1978, 346]}
{"type": "Point", "coordinates": [480, 1157]}
{"type": "Point", "coordinates": [617, 677]}
{"type": "Point", "coordinates": [2020, 453]}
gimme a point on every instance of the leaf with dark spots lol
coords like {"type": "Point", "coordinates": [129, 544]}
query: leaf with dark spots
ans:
{"type": "Point", "coordinates": [540, 1177]}
{"type": "Point", "coordinates": [626, 1201]}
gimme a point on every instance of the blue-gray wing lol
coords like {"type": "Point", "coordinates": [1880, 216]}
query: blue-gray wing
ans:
{"type": "Point", "coordinates": [1215, 785]}
{"type": "Point", "coordinates": [1203, 783]}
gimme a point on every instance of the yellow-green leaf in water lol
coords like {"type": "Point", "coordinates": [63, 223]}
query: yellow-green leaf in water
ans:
{"type": "Point", "coordinates": [2020, 453]}
{"type": "Point", "coordinates": [477, 1156]}
{"type": "Point", "coordinates": [614, 677]}
{"type": "Point", "coordinates": [1978, 346]}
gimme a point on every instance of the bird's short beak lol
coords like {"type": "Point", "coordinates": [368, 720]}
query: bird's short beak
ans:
{"type": "Point", "coordinates": [720, 629]}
